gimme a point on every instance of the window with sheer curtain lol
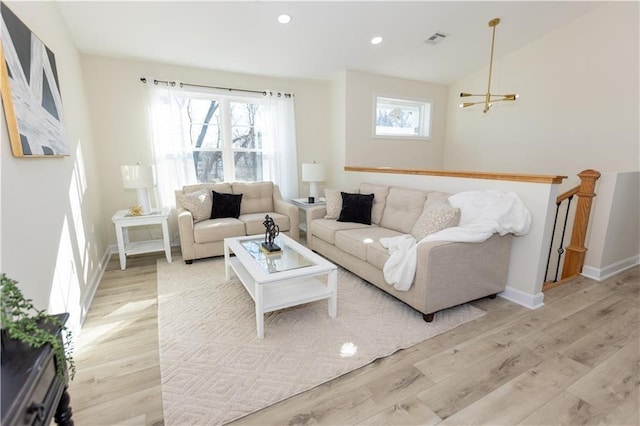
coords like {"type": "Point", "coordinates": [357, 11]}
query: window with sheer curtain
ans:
{"type": "Point", "coordinates": [203, 135]}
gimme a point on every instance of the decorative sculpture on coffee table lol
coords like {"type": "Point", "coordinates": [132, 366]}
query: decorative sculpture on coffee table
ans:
{"type": "Point", "coordinates": [270, 234]}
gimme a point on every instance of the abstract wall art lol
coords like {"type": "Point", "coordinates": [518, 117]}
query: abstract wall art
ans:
{"type": "Point", "coordinates": [30, 91]}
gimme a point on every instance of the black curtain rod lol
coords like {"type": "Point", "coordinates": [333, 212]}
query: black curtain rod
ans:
{"type": "Point", "coordinates": [230, 89]}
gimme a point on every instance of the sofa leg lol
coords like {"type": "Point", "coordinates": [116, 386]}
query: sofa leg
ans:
{"type": "Point", "coordinates": [428, 317]}
{"type": "Point", "coordinates": [189, 261]}
{"type": "Point", "coordinates": [493, 296]}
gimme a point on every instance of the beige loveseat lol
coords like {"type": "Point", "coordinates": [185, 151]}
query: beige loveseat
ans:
{"type": "Point", "coordinates": [201, 236]}
{"type": "Point", "coordinates": [447, 273]}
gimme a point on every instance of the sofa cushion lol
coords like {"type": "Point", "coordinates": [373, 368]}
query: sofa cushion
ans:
{"type": "Point", "coordinates": [257, 197]}
{"type": "Point", "coordinates": [225, 205]}
{"type": "Point", "coordinates": [356, 208]}
{"type": "Point", "coordinates": [377, 255]}
{"type": "Point", "coordinates": [198, 203]}
{"type": "Point", "coordinates": [326, 228]}
{"type": "Point", "coordinates": [254, 222]}
{"type": "Point", "coordinates": [356, 241]}
{"type": "Point", "coordinates": [217, 229]}
{"type": "Point", "coordinates": [403, 207]}
{"type": "Point", "coordinates": [435, 219]}
{"type": "Point", "coordinates": [380, 193]}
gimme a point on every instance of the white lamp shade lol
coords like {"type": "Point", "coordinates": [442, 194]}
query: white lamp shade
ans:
{"type": "Point", "coordinates": [313, 172]}
{"type": "Point", "coordinates": [141, 178]}
{"type": "Point", "coordinates": [138, 176]}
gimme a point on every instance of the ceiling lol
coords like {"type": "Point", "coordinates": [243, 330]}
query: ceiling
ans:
{"type": "Point", "coordinates": [322, 38]}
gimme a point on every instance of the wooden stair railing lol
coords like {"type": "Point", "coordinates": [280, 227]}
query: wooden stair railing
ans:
{"type": "Point", "coordinates": [576, 250]}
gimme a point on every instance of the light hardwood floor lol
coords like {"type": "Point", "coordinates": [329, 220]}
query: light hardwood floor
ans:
{"type": "Point", "coordinates": [574, 361]}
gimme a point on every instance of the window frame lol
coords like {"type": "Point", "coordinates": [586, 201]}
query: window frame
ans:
{"type": "Point", "coordinates": [425, 120]}
{"type": "Point", "coordinates": [227, 148]}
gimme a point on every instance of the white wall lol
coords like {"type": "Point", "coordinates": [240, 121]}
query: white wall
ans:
{"type": "Point", "coordinates": [335, 171]}
{"type": "Point", "coordinates": [51, 228]}
{"type": "Point", "coordinates": [614, 241]}
{"type": "Point", "coordinates": [362, 149]}
{"type": "Point", "coordinates": [118, 104]}
{"type": "Point", "coordinates": [578, 107]}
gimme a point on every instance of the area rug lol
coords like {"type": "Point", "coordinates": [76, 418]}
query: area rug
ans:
{"type": "Point", "coordinates": [215, 369]}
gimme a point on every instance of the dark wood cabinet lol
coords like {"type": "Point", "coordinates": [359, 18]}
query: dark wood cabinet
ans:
{"type": "Point", "coordinates": [32, 392]}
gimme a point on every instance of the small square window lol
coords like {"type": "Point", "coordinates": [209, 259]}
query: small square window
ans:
{"type": "Point", "coordinates": [402, 118]}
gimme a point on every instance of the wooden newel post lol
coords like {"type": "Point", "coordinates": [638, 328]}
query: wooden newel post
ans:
{"type": "Point", "coordinates": [576, 250]}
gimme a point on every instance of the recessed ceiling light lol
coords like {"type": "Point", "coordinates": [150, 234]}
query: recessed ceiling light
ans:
{"type": "Point", "coordinates": [376, 40]}
{"type": "Point", "coordinates": [284, 19]}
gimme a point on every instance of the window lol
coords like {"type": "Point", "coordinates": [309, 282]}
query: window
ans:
{"type": "Point", "coordinates": [226, 138]}
{"type": "Point", "coordinates": [402, 118]}
{"type": "Point", "coordinates": [204, 134]}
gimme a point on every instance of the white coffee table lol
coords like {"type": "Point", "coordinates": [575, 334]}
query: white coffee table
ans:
{"type": "Point", "coordinates": [278, 281]}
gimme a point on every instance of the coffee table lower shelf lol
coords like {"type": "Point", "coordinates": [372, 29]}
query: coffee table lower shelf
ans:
{"type": "Point", "coordinates": [281, 294]}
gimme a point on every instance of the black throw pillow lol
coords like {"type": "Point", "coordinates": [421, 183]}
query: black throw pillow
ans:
{"type": "Point", "coordinates": [356, 208]}
{"type": "Point", "coordinates": [225, 205]}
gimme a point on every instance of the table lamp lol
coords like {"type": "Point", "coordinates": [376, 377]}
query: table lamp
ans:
{"type": "Point", "coordinates": [313, 173]}
{"type": "Point", "coordinates": [140, 178]}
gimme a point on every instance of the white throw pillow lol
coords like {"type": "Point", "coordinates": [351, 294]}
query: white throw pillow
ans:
{"type": "Point", "coordinates": [199, 203]}
{"type": "Point", "coordinates": [334, 203]}
{"type": "Point", "coordinates": [434, 220]}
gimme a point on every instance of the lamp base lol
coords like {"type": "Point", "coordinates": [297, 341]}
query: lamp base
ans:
{"type": "Point", "coordinates": [314, 190]}
{"type": "Point", "coordinates": [144, 201]}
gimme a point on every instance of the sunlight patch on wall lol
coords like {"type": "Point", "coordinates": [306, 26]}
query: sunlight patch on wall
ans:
{"type": "Point", "coordinates": [77, 189]}
{"type": "Point", "coordinates": [72, 266]}
{"type": "Point", "coordinates": [65, 289]}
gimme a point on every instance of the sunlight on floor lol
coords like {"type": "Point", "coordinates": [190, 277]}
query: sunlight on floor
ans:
{"type": "Point", "coordinates": [96, 334]}
{"type": "Point", "coordinates": [92, 336]}
{"type": "Point", "coordinates": [132, 307]}
{"type": "Point", "coordinates": [348, 350]}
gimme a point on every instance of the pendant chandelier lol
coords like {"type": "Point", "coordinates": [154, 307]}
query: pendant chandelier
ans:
{"type": "Point", "coordinates": [489, 98]}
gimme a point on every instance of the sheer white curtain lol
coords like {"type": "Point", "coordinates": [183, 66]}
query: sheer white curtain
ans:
{"type": "Point", "coordinates": [172, 151]}
{"type": "Point", "coordinates": [281, 159]}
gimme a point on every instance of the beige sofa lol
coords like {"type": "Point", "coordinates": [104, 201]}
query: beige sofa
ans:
{"type": "Point", "coordinates": [447, 274]}
{"type": "Point", "coordinates": [202, 237]}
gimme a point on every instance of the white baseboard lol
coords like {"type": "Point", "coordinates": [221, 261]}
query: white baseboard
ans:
{"type": "Point", "coordinates": [95, 282]}
{"type": "Point", "coordinates": [600, 274]}
{"type": "Point", "coordinates": [527, 300]}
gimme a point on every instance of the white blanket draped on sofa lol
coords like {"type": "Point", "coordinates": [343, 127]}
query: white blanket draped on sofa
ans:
{"type": "Point", "coordinates": [483, 213]}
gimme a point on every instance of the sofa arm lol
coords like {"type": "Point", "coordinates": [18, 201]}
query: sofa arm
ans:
{"type": "Point", "coordinates": [283, 207]}
{"type": "Point", "coordinates": [312, 213]}
{"type": "Point", "coordinates": [317, 212]}
{"type": "Point", "coordinates": [451, 273]}
{"type": "Point", "coordinates": [185, 229]}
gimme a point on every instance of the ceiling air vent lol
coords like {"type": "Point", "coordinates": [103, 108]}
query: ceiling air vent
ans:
{"type": "Point", "coordinates": [436, 38]}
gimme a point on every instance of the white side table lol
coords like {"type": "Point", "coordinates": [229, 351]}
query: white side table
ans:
{"type": "Point", "coordinates": [303, 204]}
{"type": "Point", "coordinates": [123, 220]}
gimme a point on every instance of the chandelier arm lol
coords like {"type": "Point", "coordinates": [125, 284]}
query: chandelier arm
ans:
{"type": "Point", "coordinates": [502, 100]}
{"type": "Point", "coordinates": [468, 104]}
{"type": "Point", "coordinates": [488, 97]}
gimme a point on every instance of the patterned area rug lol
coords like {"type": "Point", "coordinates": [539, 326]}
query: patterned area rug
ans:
{"type": "Point", "coordinates": [214, 368]}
